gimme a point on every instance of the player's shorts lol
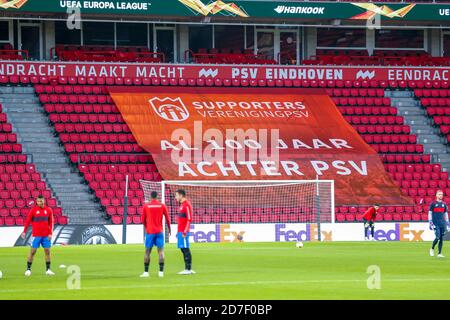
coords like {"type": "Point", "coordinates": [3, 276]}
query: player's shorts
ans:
{"type": "Point", "coordinates": [440, 231]}
{"type": "Point", "coordinates": [368, 223]}
{"type": "Point", "coordinates": [41, 241]}
{"type": "Point", "coordinates": [154, 239]}
{"type": "Point", "coordinates": [183, 242]}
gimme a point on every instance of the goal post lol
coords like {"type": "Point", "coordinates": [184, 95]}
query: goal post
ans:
{"type": "Point", "coordinates": [251, 201]}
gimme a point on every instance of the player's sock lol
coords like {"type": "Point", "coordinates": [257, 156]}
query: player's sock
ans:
{"type": "Point", "coordinates": [441, 243]}
{"type": "Point", "coordinates": [47, 265]}
{"type": "Point", "coordinates": [146, 265]}
{"type": "Point", "coordinates": [372, 232]}
{"type": "Point", "coordinates": [435, 242]}
{"type": "Point", "coordinates": [187, 258]}
{"type": "Point", "coordinates": [29, 265]}
{"type": "Point", "coordinates": [161, 266]}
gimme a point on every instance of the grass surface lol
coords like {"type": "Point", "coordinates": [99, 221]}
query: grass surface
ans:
{"type": "Point", "coordinates": [234, 271]}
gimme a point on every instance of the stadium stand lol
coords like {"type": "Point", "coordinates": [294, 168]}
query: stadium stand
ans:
{"type": "Point", "coordinates": [105, 54]}
{"type": "Point", "coordinates": [379, 58]}
{"type": "Point", "coordinates": [228, 56]}
{"type": "Point", "coordinates": [7, 52]}
{"type": "Point", "coordinates": [436, 102]}
{"type": "Point", "coordinates": [99, 143]}
{"type": "Point", "coordinates": [20, 182]}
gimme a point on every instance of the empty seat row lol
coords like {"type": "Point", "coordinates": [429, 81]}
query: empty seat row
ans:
{"type": "Point", "coordinates": [382, 129]}
{"type": "Point", "coordinates": [373, 120]}
{"type": "Point", "coordinates": [383, 209]}
{"type": "Point", "coordinates": [5, 127]}
{"type": "Point", "coordinates": [98, 177]}
{"type": "Point", "coordinates": [17, 212]}
{"type": "Point", "coordinates": [102, 148]}
{"type": "Point", "coordinates": [3, 118]}
{"type": "Point", "coordinates": [24, 194]}
{"type": "Point", "coordinates": [131, 168]}
{"type": "Point", "coordinates": [441, 120]}
{"type": "Point", "coordinates": [75, 98]}
{"type": "Point", "coordinates": [368, 110]}
{"type": "Point", "coordinates": [397, 148]}
{"type": "Point", "coordinates": [92, 128]}
{"type": "Point", "coordinates": [13, 158]}
{"type": "Point", "coordinates": [23, 185]}
{"type": "Point", "coordinates": [119, 202]}
{"type": "Point", "coordinates": [111, 158]}
{"type": "Point", "coordinates": [86, 118]}
{"type": "Point", "coordinates": [21, 203]}
{"type": "Point", "coordinates": [17, 168]}
{"type": "Point", "coordinates": [133, 185]}
{"type": "Point", "coordinates": [80, 108]}
{"type": "Point", "coordinates": [435, 93]}
{"type": "Point", "coordinates": [421, 192]}
{"type": "Point", "coordinates": [19, 221]}
{"type": "Point", "coordinates": [120, 193]}
{"type": "Point", "coordinates": [435, 102]}
{"type": "Point", "coordinates": [8, 138]}
{"type": "Point", "coordinates": [10, 148]}
{"type": "Point", "coordinates": [361, 101]}
{"type": "Point", "coordinates": [356, 92]}
{"type": "Point", "coordinates": [70, 89]}
{"type": "Point", "coordinates": [20, 176]}
{"type": "Point", "coordinates": [96, 138]}
{"type": "Point", "coordinates": [439, 111]}
{"type": "Point", "coordinates": [400, 176]}
{"type": "Point", "coordinates": [393, 138]}
{"type": "Point", "coordinates": [445, 129]}
{"type": "Point", "coordinates": [399, 167]}
{"type": "Point", "coordinates": [14, 79]}
{"type": "Point", "coordinates": [405, 158]}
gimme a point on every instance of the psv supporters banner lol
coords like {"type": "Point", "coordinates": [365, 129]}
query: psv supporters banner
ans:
{"type": "Point", "coordinates": [255, 134]}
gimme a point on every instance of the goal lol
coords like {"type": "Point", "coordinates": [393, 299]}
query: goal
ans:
{"type": "Point", "coordinates": [257, 201]}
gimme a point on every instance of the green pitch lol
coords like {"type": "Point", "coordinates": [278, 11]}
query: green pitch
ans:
{"type": "Point", "coordinates": [234, 271]}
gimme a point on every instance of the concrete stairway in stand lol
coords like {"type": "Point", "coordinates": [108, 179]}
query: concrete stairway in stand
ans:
{"type": "Point", "coordinates": [421, 125]}
{"type": "Point", "coordinates": [38, 139]}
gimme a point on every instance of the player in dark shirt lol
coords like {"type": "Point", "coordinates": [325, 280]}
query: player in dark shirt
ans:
{"type": "Point", "coordinates": [438, 218]}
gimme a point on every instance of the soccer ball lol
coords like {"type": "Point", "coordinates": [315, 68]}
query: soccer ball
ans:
{"type": "Point", "coordinates": [1, 275]}
{"type": "Point", "coordinates": [299, 244]}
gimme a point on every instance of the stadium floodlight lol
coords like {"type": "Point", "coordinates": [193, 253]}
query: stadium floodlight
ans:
{"type": "Point", "coordinates": [240, 201]}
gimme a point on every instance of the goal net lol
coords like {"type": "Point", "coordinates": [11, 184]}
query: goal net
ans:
{"type": "Point", "coordinates": [288, 201]}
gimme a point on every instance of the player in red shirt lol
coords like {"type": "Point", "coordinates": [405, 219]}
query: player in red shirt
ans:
{"type": "Point", "coordinates": [41, 219]}
{"type": "Point", "coordinates": [369, 221]}
{"type": "Point", "coordinates": [152, 219]}
{"type": "Point", "coordinates": [184, 224]}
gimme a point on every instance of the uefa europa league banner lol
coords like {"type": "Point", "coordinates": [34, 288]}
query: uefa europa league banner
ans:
{"type": "Point", "coordinates": [255, 134]}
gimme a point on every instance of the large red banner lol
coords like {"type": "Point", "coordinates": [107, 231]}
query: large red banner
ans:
{"type": "Point", "coordinates": [255, 134]}
{"type": "Point", "coordinates": [195, 71]}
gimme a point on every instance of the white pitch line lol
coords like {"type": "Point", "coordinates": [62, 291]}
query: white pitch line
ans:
{"type": "Point", "coordinates": [215, 284]}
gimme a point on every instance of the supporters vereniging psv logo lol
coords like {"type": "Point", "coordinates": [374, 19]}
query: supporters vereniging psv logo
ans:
{"type": "Point", "coordinates": [169, 109]}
